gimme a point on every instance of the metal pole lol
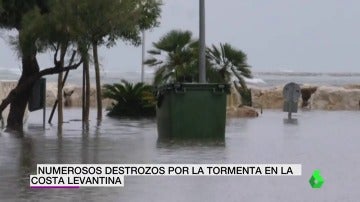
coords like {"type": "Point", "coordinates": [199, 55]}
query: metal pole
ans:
{"type": "Point", "coordinates": [44, 107]}
{"type": "Point", "coordinates": [83, 96]}
{"type": "Point", "coordinates": [202, 68]}
{"type": "Point", "coordinates": [143, 56]}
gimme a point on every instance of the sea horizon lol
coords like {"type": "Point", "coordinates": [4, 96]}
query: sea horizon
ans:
{"type": "Point", "coordinates": [260, 78]}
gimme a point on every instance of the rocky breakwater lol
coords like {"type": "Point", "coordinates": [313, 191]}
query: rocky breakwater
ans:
{"type": "Point", "coordinates": [313, 97]}
{"type": "Point", "coordinates": [72, 96]}
{"type": "Point", "coordinates": [235, 108]}
{"type": "Point", "coordinates": [5, 88]}
{"type": "Point", "coordinates": [267, 98]}
{"type": "Point", "coordinates": [272, 98]}
{"type": "Point", "coordinates": [336, 98]}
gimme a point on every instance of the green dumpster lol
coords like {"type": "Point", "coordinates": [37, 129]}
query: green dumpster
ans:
{"type": "Point", "coordinates": [191, 111]}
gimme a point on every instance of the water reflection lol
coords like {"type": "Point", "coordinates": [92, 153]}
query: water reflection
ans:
{"type": "Point", "coordinates": [168, 143]}
{"type": "Point", "coordinates": [291, 121]}
{"type": "Point", "coordinates": [26, 165]}
{"type": "Point", "coordinates": [266, 139]}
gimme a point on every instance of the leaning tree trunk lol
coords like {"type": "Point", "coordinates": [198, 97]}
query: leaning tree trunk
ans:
{"type": "Point", "coordinates": [18, 105]}
{"type": "Point", "coordinates": [98, 84]}
{"type": "Point", "coordinates": [19, 96]}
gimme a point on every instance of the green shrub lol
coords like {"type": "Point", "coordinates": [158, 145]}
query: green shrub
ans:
{"type": "Point", "coordinates": [130, 100]}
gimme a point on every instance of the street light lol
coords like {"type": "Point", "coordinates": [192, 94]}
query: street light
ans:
{"type": "Point", "coordinates": [143, 56]}
{"type": "Point", "coordinates": [202, 70]}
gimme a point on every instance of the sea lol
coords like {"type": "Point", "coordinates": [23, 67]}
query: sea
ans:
{"type": "Point", "coordinates": [260, 78]}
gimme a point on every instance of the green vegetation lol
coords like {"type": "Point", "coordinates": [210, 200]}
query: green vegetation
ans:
{"type": "Point", "coordinates": [131, 100]}
{"type": "Point", "coordinates": [231, 61]}
{"type": "Point", "coordinates": [106, 21]}
{"type": "Point", "coordinates": [180, 61]}
{"type": "Point", "coordinates": [67, 28]}
{"type": "Point", "coordinates": [176, 58]}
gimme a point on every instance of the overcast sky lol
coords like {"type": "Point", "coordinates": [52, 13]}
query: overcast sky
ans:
{"type": "Point", "coordinates": [277, 35]}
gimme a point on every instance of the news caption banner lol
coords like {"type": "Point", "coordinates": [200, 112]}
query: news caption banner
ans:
{"type": "Point", "coordinates": [112, 175]}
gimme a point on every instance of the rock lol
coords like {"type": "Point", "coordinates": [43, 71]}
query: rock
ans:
{"type": "Point", "coordinates": [268, 98]}
{"type": "Point", "coordinates": [325, 98]}
{"type": "Point", "coordinates": [272, 98]}
{"type": "Point", "coordinates": [75, 98]}
{"type": "Point", "coordinates": [233, 99]}
{"type": "Point", "coordinates": [51, 94]}
{"type": "Point", "coordinates": [352, 86]}
{"type": "Point", "coordinates": [67, 98]}
{"type": "Point", "coordinates": [5, 88]}
{"type": "Point", "coordinates": [306, 93]}
{"type": "Point", "coordinates": [243, 111]}
{"type": "Point", "coordinates": [336, 98]}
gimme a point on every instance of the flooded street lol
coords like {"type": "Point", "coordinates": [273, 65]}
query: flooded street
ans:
{"type": "Point", "coordinates": [329, 141]}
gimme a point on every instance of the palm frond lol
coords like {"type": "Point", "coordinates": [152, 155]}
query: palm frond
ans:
{"type": "Point", "coordinates": [131, 99]}
{"type": "Point", "coordinates": [154, 52]}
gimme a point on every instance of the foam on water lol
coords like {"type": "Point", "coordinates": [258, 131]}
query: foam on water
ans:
{"type": "Point", "coordinates": [254, 81]}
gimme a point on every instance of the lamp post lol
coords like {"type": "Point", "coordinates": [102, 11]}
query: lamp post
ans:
{"type": "Point", "coordinates": [202, 69]}
{"type": "Point", "coordinates": [181, 102]}
{"type": "Point", "coordinates": [143, 56]}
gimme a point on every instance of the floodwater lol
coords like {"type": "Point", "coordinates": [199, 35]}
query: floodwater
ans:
{"type": "Point", "coordinates": [329, 141]}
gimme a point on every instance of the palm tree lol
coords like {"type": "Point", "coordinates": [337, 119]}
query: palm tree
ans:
{"type": "Point", "coordinates": [229, 61]}
{"type": "Point", "coordinates": [131, 100]}
{"type": "Point", "coordinates": [179, 61]}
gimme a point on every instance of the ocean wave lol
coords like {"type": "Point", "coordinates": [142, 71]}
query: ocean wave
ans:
{"type": "Point", "coordinates": [254, 81]}
{"type": "Point", "coordinates": [13, 71]}
{"type": "Point", "coordinates": [309, 74]}
{"type": "Point", "coordinates": [260, 78]}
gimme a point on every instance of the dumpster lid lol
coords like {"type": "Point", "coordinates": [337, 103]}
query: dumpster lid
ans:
{"type": "Point", "coordinates": [195, 86]}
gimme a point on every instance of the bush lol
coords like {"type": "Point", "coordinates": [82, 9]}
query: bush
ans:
{"type": "Point", "coordinates": [130, 100]}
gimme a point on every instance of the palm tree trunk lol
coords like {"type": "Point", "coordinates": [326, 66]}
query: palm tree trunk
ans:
{"type": "Point", "coordinates": [98, 83]}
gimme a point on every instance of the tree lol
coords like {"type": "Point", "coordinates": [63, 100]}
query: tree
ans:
{"type": "Point", "coordinates": [180, 60]}
{"type": "Point", "coordinates": [231, 61]}
{"type": "Point", "coordinates": [11, 18]}
{"type": "Point", "coordinates": [227, 59]}
{"type": "Point", "coordinates": [57, 31]}
{"type": "Point", "coordinates": [113, 20]}
{"type": "Point", "coordinates": [131, 100]}
{"type": "Point", "coordinates": [38, 30]}
{"type": "Point", "coordinates": [58, 26]}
